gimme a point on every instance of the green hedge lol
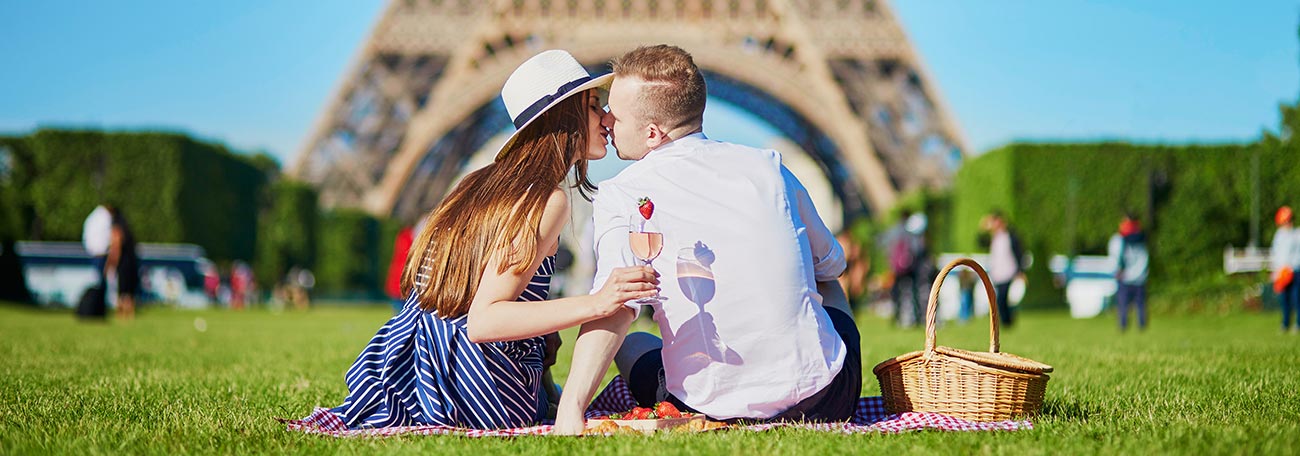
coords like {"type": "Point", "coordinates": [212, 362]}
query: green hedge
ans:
{"type": "Point", "coordinates": [1068, 198]}
{"type": "Point", "coordinates": [175, 189]}
{"type": "Point", "coordinates": [348, 252]}
{"type": "Point", "coordinates": [17, 170]}
{"type": "Point", "coordinates": [169, 186]}
{"type": "Point", "coordinates": [287, 231]}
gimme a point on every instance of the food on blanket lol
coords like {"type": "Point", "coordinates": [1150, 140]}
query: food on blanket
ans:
{"type": "Point", "coordinates": [663, 416]}
{"type": "Point", "coordinates": [699, 426]}
{"type": "Point", "coordinates": [667, 410]}
{"type": "Point", "coordinates": [607, 427]}
{"type": "Point", "coordinates": [660, 411]}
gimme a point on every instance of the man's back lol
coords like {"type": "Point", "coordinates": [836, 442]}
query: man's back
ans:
{"type": "Point", "coordinates": [1130, 258]}
{"type": "Point", "coordinates": [743, 250]}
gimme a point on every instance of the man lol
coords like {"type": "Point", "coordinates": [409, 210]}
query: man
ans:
{"type": "Point", "coordinates": [1128, 252]}
{"type": "Point", "coordinates": [902, 245]}
{"type": "Point", "coordinates": [96, 234]}
{"type": "Point", "coordinates": [1005, 257]}
{"type": "Point", "coordinates": [1283, 261]}
{"type": "Point", "coordinates": [754, 323]}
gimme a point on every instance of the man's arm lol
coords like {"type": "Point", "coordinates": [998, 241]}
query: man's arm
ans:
{"type": "Point", "coordinates": [828, 257]}
{"type": "Point", "coordinates": [598, 340]}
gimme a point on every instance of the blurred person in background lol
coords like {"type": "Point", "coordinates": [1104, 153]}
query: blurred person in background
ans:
{"type": "Point", "coordinates": [123, 262]}
{"type": "Point", "coordinates": [857, 266]}
{"type": "Point", "coordinates": [1128, 252]}
{"type": "Point", "coordinates": [902, 248]}
{"type": "Point", "coordinates": [923, 269]}
{"type": "Point", "coordinates": [1284, 261]}
{"type": "Point", "coordinates": [393, 283]}
{"type": "Point", "coordinates": [96, 232]}
{"type": "Point", "coordinates": [1006, 262]}
{"type": "Point", "coordinates": [241, 284]}
{"type": "Point", "coordinates": [299, 282]}
{"type": "Point", "coordinates": [966, 284]}
{"type": "Point", "coordinates": [211, 281]}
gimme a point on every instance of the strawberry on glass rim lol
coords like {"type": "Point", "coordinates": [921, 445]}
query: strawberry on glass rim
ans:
{"type": "Point", "coordinates": [645, 207]}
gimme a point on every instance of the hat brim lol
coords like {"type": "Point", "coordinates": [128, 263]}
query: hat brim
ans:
{"type": "Point", "coordinates": [602, 81]}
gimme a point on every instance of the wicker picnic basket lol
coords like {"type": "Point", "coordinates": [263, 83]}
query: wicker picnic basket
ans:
{"type": "Point", "coordinates": [969, 385]}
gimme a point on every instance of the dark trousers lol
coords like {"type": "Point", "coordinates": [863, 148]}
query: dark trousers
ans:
{"type": "Point", "coordinates": [1290, 300]}
{"type": "Point", "coordinates": [98, 263]}
{"type": "Point", "coordinates": [1131, 296]}
{"type": "Point", "coordinates": [1004, 309]}
{"type": "Point", "coordinates": [907, 297]}
{"type": "Point", "coordinates": [967, 304]}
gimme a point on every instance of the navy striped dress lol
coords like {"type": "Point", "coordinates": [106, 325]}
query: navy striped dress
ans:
{"type": "Point", "coordinates": [422, 369]}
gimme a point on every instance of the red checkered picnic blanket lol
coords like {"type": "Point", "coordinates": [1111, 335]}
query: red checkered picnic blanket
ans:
{"type": "Point", "coordinates": [615, 398]}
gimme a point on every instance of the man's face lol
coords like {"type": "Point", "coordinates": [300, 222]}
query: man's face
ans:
{"type": "Point", "coordinates": [628, 131]}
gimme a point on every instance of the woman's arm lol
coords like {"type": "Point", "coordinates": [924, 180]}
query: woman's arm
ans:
{"type": "Point", "coordinates": [495, 315]}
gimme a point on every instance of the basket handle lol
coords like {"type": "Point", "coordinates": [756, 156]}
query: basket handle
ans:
{"type": "Point", "coordinates": [932, 310]}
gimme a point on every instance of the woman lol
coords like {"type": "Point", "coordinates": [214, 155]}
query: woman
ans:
{"type": "Point", "coordinates": [467, 349]}
{"type": "Point", "coordinates": [124, 263]}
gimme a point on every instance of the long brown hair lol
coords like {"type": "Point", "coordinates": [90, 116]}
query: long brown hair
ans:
{"type": "Point", "coordinates": [497, 211]}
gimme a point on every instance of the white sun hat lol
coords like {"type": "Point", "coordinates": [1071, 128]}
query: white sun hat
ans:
{"type": "Point", "coordinates": [542, 82]}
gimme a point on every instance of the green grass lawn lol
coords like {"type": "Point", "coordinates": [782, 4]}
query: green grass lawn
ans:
{"type": "Point", "coordinates": [1190, 385]}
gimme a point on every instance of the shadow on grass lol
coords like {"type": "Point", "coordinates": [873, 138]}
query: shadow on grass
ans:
{"type": "Point", "coordinates": [33, 308]}
{"type": "Point", "coordinates": [1067, 410]}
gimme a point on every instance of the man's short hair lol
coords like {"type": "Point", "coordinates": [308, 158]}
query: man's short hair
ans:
{"type": "Point", "coordinates": [674, 93]}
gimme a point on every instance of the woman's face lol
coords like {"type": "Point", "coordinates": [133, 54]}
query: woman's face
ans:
{"type": "Point", "coordinates": [597, 135]}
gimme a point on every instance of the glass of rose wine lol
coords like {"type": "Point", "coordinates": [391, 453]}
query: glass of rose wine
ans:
{"type": "Point", "coordinates": [646, 242]}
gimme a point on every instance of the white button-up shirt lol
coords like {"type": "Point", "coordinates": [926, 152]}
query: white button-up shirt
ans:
{"type": "Point", "coordinates": [1002, 259]}
{"type": "Point", "coordinates": [745, 333]}
{"type": "Point", "coordinates": [1285, 251]}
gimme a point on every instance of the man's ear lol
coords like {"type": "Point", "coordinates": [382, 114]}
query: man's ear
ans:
{"type": "Point", "coordinates": [655, 136]}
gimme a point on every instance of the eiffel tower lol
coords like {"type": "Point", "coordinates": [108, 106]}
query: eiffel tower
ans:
{"type": "Point", "coordinates": [838, 78]}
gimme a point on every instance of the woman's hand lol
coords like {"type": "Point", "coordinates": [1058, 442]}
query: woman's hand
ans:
{"type": "Point", "coordinates": [623, 285]}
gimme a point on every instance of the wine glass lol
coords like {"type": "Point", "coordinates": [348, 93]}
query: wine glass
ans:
{"type": "Point", "coordinates": [646, 242]}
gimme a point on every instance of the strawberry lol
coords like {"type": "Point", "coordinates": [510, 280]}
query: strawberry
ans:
{"type": "Point", "coordinates": [667, 410]}
{"type": "Point", "coordinates": [639, 413]}
{"type": "Point", "coordinates": [646, 207]}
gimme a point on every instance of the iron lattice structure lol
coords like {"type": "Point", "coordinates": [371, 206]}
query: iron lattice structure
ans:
{"type": "Point", "coordinates": [838, 77]}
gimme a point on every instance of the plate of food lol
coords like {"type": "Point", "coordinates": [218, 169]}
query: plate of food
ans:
{"type": "Point", "coordinates": [645, 420]}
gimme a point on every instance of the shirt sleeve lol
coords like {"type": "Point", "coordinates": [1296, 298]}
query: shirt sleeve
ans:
{"type": "Point", "coordinates": [828, 256]}
{"type": "Point", "coordinates": [1113, 253]}
{"type": "Point", "coordinates": [609, 239]}
{"type": "Point", "coordinates": [1279, 251]}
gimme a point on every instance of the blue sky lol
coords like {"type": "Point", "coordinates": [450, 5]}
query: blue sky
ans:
{"type": "Point", "coordinates": [255, 74]}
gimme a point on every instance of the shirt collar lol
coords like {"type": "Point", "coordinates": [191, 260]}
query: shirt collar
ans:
{"type": "Point", "coordinates": [678, 145]}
